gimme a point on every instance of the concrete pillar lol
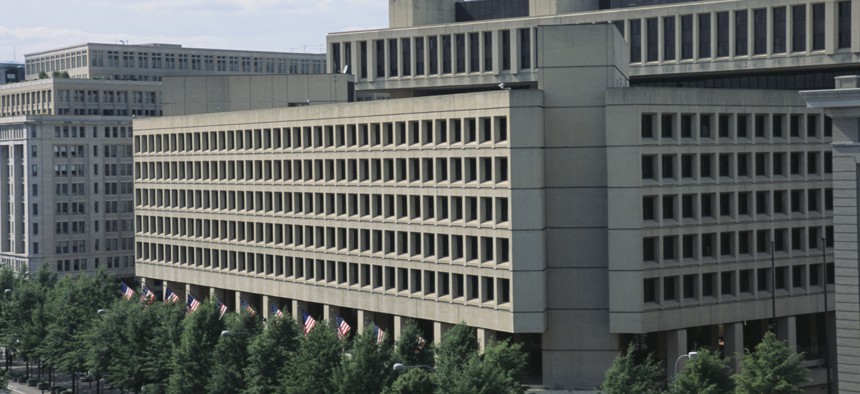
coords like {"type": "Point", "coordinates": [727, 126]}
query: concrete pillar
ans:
{"type": "Point", "coordinates": [485, 337]}
{"type": "Point", "coordinates": [398, 325]}
{"type": "Point", "coordinates": [298, 307]}
{"type": "Point", "coordinates": [266, 307]}
{"type": "Point", "coordinates": [365, 319]}
{"type": "Point", "coordinates": [439, 330]}
{"type": "Point", "coordinates": [786, 329]}
{"type": "Point", "coordinates": [676, 345]}
{"type": "Point", "coordinates": [733, 348]}
{"type": "Point", "coordinates": [238, 302]}
{"type": "Point", "coordinates": [330, 313]}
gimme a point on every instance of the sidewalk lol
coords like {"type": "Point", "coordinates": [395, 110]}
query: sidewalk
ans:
{"type": "Point", "coordinates": [63, 380]}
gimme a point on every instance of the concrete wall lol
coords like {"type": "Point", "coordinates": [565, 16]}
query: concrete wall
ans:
{"type": "Point", "coordinates": [410, 13]}
{"type": "Point", "coordinates": [555, 7]}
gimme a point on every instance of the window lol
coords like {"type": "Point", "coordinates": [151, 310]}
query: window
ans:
{"type": "Point", "coordinates": [648, 208]}
{"type": "Point", "coordinates": [727, 283]}
{"type": "Point", "coordinates": [722, 34]}
{"type": "Point", "coordinates": [686, 37]}
{"type": "Point", "coordinates": [741, 33]}
{"type": "Point", "coordinates": [704, 35]}
{"type": "Point", "coordinates": [649, 249]}
{"type": "Point", "coordinates": [525, 49]}
{"type": "Point", "coordinates": [798, 33]}
{"type": "Point", "coordinates": [818, 27]}
{"type": "Point", "coordinates": [690, 286]}
{"type": "Point", "coordinates": [844, 20]}
{"type": "Point", "coordinates": [506, 50]}
{"type": "Point", "coordinates": [647, 126]}
{"type": "Point", "coordinates": [779, 28]}
{"type": "Point", "coordinates": [635, 41]}
{"type": "Point", "coordinates": [708, 284]}
{"type": "Point", "coordinates": [652, 39]}
{"type": "Point", "coordinates": [669, 288]}
{"type": "Point", "coordinates": [669, 38]}
{"type": "Point", "coordinates": [650, 290]}
{"type": "Point", "coordinates": [759, 31]}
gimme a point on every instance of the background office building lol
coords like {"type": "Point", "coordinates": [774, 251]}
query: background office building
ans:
{"type": "Point", "coordinates": [11, 73]}
{"type": "Point", "coordinates": [573, 175]}
{"type": "Point", "coordinates": [151, 62]}
{"type": "Point", "coordinates": [66, 143]}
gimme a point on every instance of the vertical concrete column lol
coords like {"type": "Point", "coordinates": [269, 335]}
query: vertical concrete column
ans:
{"type": "Point", "coordinates": [398, 325]}
{"type": "Point", "coordinates": [676, 345]}
{"type": "Point", "coordinates": [786, 328]}
{"type": "Point", "coordinates": [485, 337]}
{"type": "Point", "coordinates": [733, 348]}
{"type": "Point", "coordinates": [238, 302]}
{"type": "Point", "coordinates": [330, 313]}
{"type": "Point", "coordinates": [266, 308]}
{"type": "Point", "coordinates": [831, 26]}
{"type": "Point", "coordinates": [298, 307]}
{"type": "Point", "coordinates": [365, 319]}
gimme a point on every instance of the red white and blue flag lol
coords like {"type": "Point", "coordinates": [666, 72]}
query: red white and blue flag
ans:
{"type": "Point", "coordinates": [343, 328]}
{"type": "Point", "coordinates": [277, 312]}
{"type": "Point", "coordinates": [147, 296]}
{"type": "Point", "coordinates": [193, 304]}
{"type": "Point", "coordinates": [222, 309]}
{"type": "Point", "coordinates": [248, 308]}
{"type": "Point", "coordinates": [310, 322]}
{"type": "Point", "coordinates": [170, 296]}
{"type": "Point", "coordinates": [127, 292]}
{"type": "Point", "coordinates": [379, 334]}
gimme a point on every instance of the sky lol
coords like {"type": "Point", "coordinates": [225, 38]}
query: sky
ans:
{"type": "Point", "coordinates": [268, 25]}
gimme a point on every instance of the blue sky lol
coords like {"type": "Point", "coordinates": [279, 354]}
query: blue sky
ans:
{"type": "Point", "coordinates": [28, 26]}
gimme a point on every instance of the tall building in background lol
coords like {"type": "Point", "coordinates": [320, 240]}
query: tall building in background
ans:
{"type": "Point", "coordinates": [11, 73]}
{"type": "Point", "coordinates": [575, 176]}
{"type": "Point", "coordinates": [66, 144]}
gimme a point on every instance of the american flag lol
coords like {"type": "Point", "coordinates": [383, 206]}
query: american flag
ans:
{"type": "Point", "coordinates": [248, 308]}
{"type": "Point", "coordinates": [127, 292]}
{"type": "Point", "coordinates": [170, 296]}
{"type": "Point", "coordinates": [342, 328]}
{"type": "Point", "coordinates": [222, 309]}
{"type": "Point", "coordinates": [276, 312]}
{"type": "Point", "coordinates": [310, 322]}
{"type": "Point", "coordinates": [193, 304]}
{"type": "Point", "coordinates": [148, 296]}
{"type": "Point", "coordinates": [379, 333]}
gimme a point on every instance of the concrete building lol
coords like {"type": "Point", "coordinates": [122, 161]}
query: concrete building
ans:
{"type": "Point", "coordinates": [575, 176]}
{"type": "Point", "coordinates": [843, 105]}
{"type": "Point", "coordinates": [11, 73]}
{"type": "Point", "coordinates": [151, 62]}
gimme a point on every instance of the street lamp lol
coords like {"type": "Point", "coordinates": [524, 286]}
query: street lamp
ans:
{"type": "Point", "coordinates": [103, 311]}
{"type": "Point", "coordinates": [690, 355]}
{"type": "Point", "coordinates": [228, 333]}
{"type": "Point", "coordinates": [8, 292]}
{"type": "Point", "coordinates": [398, 367]}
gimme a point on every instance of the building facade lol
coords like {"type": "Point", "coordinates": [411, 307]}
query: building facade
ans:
{"type": "Point", "coordinates": [11, 73]}
{"type": "Point", "coordinates": [150, 62]}
{"type": "Point", "coordinates": [576, 179]}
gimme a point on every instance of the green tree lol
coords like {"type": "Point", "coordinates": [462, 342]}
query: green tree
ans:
{"type": "Point", "coordinates": [708, 373]}
{"type": "Point", "coordinates": [772, 368]}
{"type": "Point", "coordinates": [412, 348]}
{"type": "Point", "coordinates": [43, 75]}
{"type": "Point", "coordinates": [508, 358]}
{"type": "Point", "coordinates": [413, 381]}
{"type": "Point", "coordinates": [627, 376]}
{"type": "Point", "coordinates": [367, 369]}
{"type": "Point", "coordinates": [192, 359]}
{"type": "Point", "coordinates": [268, 353]}
{"type": "Point", "coordinates": [457, 347]}
{"type": "Point", "coordinates": [166, 333]}
{"type": "Point", "coordinates": [231, 354]}
{"type": "Point", "coordinates": [71, 311]}
{"type": "Point", "coordinates": [318, 356]}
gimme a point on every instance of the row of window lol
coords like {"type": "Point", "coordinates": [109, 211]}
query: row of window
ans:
{"type": "Point", "coordinates": [438, 132]}
{"type": "Point", "coordinates": [733, 244]}
{"type": "Point", "coordinates": [72, 265]}
{"type": "Point", "coordinates": [468, 170]}
{"type": "Point", "coordinates": [705, 167]}
{"type": "Point", "coordinates": [736, 205]}
{"type": "Point", "coordinates": [730, 285]}
{"type": "Point", "coordinates": [760, 31]}
{"type": "Point", "coordinates": [754, 127]}
{"type": "Point", "coordinates": [81, 132]}
{"type": "Point", "coordinates": [470, 249]}
{"type": "Point", "coordinates": [366, 277]}
{"type": "Point", "coordinates": [458, 53]}
{"type": "Point", "coordinates": [475, 210]}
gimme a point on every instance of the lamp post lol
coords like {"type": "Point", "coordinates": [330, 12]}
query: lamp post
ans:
{"type": "Point", "coordinates": [826, 317]}
{"type": "Point", "coordinates": [690, 355]}
{"type": "Point", "coordinates": [398, 367]}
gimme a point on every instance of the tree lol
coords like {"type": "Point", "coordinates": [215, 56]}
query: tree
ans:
{"type": "Point", "coordinates": [318, 356]}
{"type": "Point", "coordinates": [166, 337]}
{"type": "Point", "coordinates": [231, 354]}
{"type": "Point", "coordinates": [413, 381]}
{"type": "Point", "coordinates": [708, 373]}
{"type": "Point", "coordinates": [412, 348]}
{"type": "Point", "coordinates": [268, 352]}
{"type": "Point", "coordinates": [627, 376]}
{"type": "Point", "coordinates": [367, 369]}
{"type": "Point", "coordinates": [508, 358]}
{"type": "Point", "coordinates": [498, 370]}
{"type": "Point", "coordinates": [192, 359]}
{"type": "Point", "coordinates": [772, 368]}
{"type": "Point", "coordinates": [43, 75]}
{"type": "Point", "coordinates": [458, 346]}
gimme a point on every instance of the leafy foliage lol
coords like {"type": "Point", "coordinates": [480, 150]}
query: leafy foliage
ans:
{"type": "Point", "coordinates": [231, 354]}
{"type": "Point", "coordinates": [367, 369]}
{"type": "Point", "coordinates": [627, 376]}
{"type": "Point", "coordinates": [412, 348]}
{"type": "Point", "coordinates": [268, 353]}
{"type": "Point", "coordinates": [413, 381]}
{"type": "Point", "coordinates": [772, 368]}
{"type": "Point", "coordinates": [317, 358]}
{"type": "Point", "coordinates": [192, 358]}
{"type": "Point", "coordinates": [708, 373]}
{"type": "Point", "coordinates": [458, 345]}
